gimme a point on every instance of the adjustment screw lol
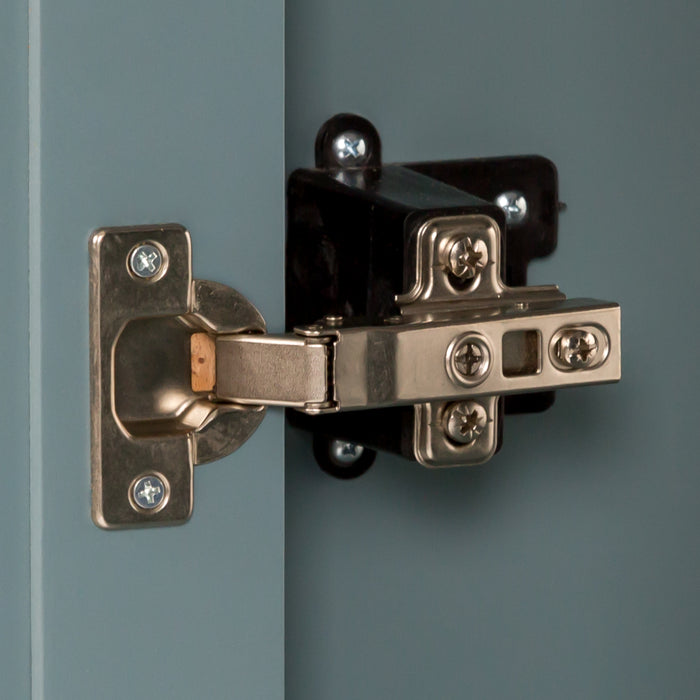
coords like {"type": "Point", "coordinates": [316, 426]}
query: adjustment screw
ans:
{"type": "Point", "coordinates": [148, 492]}
{"type": "Point", "coordinates": [345, 453]}
{"type": "Point", "coordinates": [145, 261]}
{"type": "Point", "coordinates": [469, 359]}
{"type": "Point", "coordinates": [576, 348]}
{"type": "Point", "coordinates": [463, 422]}
{"type": "Point", "coordinates": [466, 259]}
{"type": "Point", "coordinates": [350, 148]}
{"type": "Point", "coordinates": [514, 205]}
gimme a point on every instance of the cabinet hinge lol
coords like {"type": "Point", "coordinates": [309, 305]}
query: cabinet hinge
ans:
{"type": "Point", "coordinates": [404, 333]}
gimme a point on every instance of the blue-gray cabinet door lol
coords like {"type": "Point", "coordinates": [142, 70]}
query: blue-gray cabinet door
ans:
{"type": "Point", "coordinates": [568, 566]}
{"type": "Point", "coordinates": [130, 113]}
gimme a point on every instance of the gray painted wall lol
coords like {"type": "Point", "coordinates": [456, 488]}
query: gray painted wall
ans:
{"type": "Point", "coordinates": [570, 565]}
{"type": "Point", "coordinates": [14, 351]}
{"type": "Point", "coordinates": [142, 113]}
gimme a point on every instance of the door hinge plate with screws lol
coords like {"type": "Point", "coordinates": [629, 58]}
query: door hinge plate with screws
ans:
{"type": "Point", "coordinates": [149, 425]}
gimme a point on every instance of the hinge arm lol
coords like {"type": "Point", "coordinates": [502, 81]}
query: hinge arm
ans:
{"type": "Point", "coordinates": [274, 370]}
{"type": "Point", "coordinates": [325, 369]}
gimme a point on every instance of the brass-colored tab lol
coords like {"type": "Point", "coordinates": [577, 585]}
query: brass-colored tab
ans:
{"type": "Point", "coordinates": [203, 362]}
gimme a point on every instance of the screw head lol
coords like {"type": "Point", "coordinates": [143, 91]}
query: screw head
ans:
{"type": "Point", "coordinates": [514, 205]}
{"type": "Point", "coordinates": [344, 452]}
{"type": "Point", "coordinates": [350, 148]}
{"type": "Point", "coordinates": [146, 261]}
{"type": "Point", "coordinates": [466, 259]}
{"type": "Point", "coordinates": [148, 492]}
{"type": "Point", "coordinates": [577, 348]}
{"type": "Point", "coordinates": [469, 359]}
{"type": "Point", "coordinates": [463, 422]}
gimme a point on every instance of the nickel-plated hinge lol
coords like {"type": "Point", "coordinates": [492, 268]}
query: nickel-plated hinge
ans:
{"type": "Point", "coordinates": [182, 369]}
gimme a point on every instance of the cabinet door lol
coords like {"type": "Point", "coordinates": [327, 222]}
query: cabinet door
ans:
{"type": "Point", "coordinates": [569, 565]}
{"type": "Point", "coordinates": [142, 112]}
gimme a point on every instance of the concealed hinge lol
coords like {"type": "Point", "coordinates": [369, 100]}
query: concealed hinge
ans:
{"type": "Point", "coordinates": [414, 356]}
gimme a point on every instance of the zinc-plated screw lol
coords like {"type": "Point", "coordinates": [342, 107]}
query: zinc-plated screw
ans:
{"type": "Point", "coordinates": [469, 359]}
{"type": "Point", "coordinates": [463, 422]}
{"type": "Point", "coordinates": [466, 259]}
{"type": "Point", "coordinates": [350, 148]}
{"type": "Point", "coordinates": [145, 261]}
{"type": "Point", "coordinates": [148, 492]}
{"type": "Point", "coordinates": [345, 453]}
{"type": "Point", "coordinates": [577, 348]}
{"type": "Point", "coordinates": [514, 205]}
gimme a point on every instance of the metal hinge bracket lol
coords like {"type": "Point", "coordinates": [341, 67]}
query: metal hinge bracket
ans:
{"type": "Point", "coordinates": [182, 370]}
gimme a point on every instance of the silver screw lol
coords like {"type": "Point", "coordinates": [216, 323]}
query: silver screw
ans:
{"type": "Point", "coordinates": [148, 492]}
{"type": "Point", "coordinates": [350, 148]}
{"type": "Point", "coordinates": [345, 453]}
{"type": "Point", "coordinates": [514, 205]}
{"type": "Point", "coordinates": [463, 422]}
{"type": "Point", "coordinates": [577, 348]}
{"type": "Point", "coordinates": [466, 259]}
{"type": "Point", "coordinates": [145, 261]}
{"type": "Point", "coordinates": [469, 359]}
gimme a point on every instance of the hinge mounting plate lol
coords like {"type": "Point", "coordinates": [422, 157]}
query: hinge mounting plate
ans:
{"type": "Point", "coordinates": [148, 424]}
